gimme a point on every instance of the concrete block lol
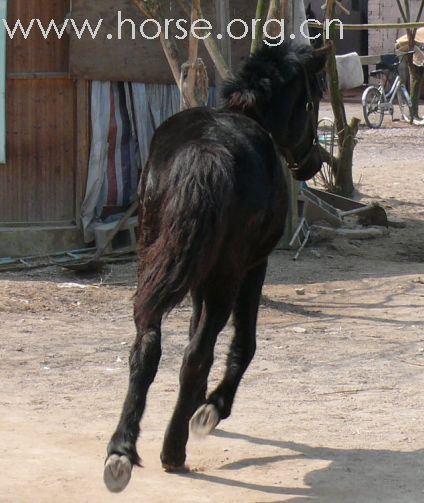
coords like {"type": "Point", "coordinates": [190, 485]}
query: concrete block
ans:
{"type": "Point", "coordinates": [124, 242]}
{"type": "Point", "coordinates": [34, 240]}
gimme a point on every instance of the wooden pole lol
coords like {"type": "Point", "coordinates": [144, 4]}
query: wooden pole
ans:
{"type": "Point", "coordinates": [287, 11]}
{"type": "Point", "coordinates": [211, 46]}
{"type": "Point", "coordinates": [223, 17]}
{"type": "Point", "coordinates": [193, 48]}
{"type": "Point", "coordinates": [261, 13]}
{"type": "Point", "coordinates": [346, 133]}
{"type": "Point", "coordinates": [218, 59]}
{"type": "Point", "coordinates": [279, 9]}
{"type": "Point", "coordinates": [416, 73]}
{"type": "Point", "coordinates": [193, 51]}
{"type": "Point", "coordinates": [194, 84]}
{"type": "Point", "coordinates": [375, 26]}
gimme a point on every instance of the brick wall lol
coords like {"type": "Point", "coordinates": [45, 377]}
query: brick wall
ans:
{"type": "Point", "coordinates": [385, 11]}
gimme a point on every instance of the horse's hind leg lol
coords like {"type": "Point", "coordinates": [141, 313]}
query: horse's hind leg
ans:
{"type": "Point", "coordinates": [197, 301]}
{"type": "Point", "coordinates": [218, 405]}
{"type": "Point", "coordinates": [197, 361]}
{"type": "Point", "coordinates": [144, 361]}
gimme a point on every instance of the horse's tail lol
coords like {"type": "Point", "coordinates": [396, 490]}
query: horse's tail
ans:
{"type": "Point", "coordinates": [199, 189]}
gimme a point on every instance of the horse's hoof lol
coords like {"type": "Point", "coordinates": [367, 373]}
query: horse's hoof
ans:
{"type": "Point", "coordinates": [117, 473]}
{"type": "Point", "coordinates": [204, 420]}
{"type": "Point", "coordinates": [175, 469]}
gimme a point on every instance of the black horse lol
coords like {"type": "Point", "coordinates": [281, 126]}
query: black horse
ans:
{"type": "Point", "coordinates": [213, 206]}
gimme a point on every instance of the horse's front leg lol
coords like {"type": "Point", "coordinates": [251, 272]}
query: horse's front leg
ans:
{"type": "Point", "coordinates": [122, 453]}
{"type": "Point", "coordinates": [219, 403]}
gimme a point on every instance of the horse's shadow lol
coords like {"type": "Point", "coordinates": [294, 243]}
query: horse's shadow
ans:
{"type": "Point", "coordinates": [353, 475]}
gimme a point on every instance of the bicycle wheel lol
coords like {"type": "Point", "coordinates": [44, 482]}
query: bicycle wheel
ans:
{"type": "Point", "coordinates": [373, 112]}
{"type": "Point", "coordinates": [328, 140]}
{"type": "Point", "coordinates": [405, 104]}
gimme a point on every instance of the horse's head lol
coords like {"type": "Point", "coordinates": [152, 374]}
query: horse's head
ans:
{"type": "Point", "coordinates": [278, 87]}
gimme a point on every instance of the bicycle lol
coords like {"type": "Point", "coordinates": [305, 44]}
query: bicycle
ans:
{"type": "Point", "coordinates": [376, 101]}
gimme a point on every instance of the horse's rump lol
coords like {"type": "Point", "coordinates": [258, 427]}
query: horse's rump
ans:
{"type": "Point", "coordinates": [199, 189]}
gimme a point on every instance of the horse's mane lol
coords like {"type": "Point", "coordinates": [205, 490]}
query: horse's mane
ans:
{"type": "Point", "coordinates": [264, 73]}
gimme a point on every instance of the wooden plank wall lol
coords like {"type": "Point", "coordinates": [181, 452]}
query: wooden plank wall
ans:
{"type": "Point", "coordinates": [38, 182]}
{"type": "Point", "coordinates": [140, 60]}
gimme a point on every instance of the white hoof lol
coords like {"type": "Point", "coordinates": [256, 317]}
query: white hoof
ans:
{"type": "Point", "coordinates": [117, 473]}
{"type": "Point", "coordinates": [204, 420]}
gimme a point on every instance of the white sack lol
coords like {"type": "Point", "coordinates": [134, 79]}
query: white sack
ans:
{"type": "Point", "coordinates": [350, 71]}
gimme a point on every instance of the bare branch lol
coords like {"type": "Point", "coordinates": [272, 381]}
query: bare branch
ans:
{"type": "Point", "coordinates": [173, 57]}
{"type": "Point", "coordinates": [184, 7]}
{"type": "Point", "coordinates": [278, 9]}
{"type": "Point", "coordinates": [152, 10]}
{"type": "Point", "coordinates": [419, 14]}
{"type": "Point", "coordinates": [402, 12]}
{"type": "Point", "coordinates": [407, 11]}
{"type": "Point", "coordinates": [261, 13]}
{"type": "Point", "coordinates": [343, 8]}
{"type": "Point", "coordinates": [143, 9]}
{"type": "Point", "coordinates": [420, 11]}
{"type": "Point", "coordinates": [217, 58]}
{"type": "Point", "coordinates": [193, 49]}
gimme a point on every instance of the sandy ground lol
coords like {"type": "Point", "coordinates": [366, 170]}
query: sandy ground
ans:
{"type": "Point", "coordinates": [330, 411]}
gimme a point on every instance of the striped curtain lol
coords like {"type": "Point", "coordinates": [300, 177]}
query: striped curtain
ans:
{"type": "Point", "coordinates": [123, 159]}
{"type": "Point", "coordinates": [124, 117]}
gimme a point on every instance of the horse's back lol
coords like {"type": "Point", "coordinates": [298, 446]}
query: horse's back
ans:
{"type": "Point", "coordinates": [255, 163]}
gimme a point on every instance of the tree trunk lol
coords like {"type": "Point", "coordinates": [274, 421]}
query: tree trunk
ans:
{"type": "Point", "coordinates": [211, 45]}
{"type": "Point", "coordinates": [261, 13]}
{"type": "Point", "coordinates": [346, 133]}
{"type": "Point", "coordinates": [416, 80]}
{"type": "Point", "coordinates": [343, 174]}
{"type": "Point", "coordinates": [416, 73]}
{"type": "Point", "coordinates": [416, 87]}
{"type": "Point", "coordinates": [194, 83]}
{"type": "Point", "coordinates": [278, 9]}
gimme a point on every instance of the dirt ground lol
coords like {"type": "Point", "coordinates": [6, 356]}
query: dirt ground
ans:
{"type": "Point", "coordinates": [330, 411]}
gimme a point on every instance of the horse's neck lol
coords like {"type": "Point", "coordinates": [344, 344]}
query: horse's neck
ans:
{"type": "Point", "coordinates": [252, 113]}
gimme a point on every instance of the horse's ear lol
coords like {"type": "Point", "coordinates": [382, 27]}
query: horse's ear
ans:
{"type": "Point", "coordinates": [308, 10]}
{"type": "Point", "coordinates": [320, 57]}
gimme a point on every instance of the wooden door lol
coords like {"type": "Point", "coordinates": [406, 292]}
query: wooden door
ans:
{"type": "Point", "coordinates": [38, 181]}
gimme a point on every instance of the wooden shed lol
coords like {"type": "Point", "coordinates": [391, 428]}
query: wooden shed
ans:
{"type": "Point", "coordinates": [51, 102]}
{"type": "Point", "coordinates": [48, 125]}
